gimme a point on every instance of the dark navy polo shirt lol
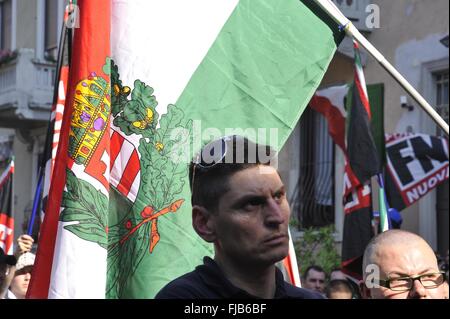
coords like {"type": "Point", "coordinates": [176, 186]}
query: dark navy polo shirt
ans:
{"type": "Point", "coordinates": [208, 281]}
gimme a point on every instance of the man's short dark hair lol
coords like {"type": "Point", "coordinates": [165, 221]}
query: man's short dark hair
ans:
{"type": "Point", "coordinates": [7, 259]}
{"type": "Point", "coordinates": [209, 182]}
{"type": "Point", "coordinates": [315, 268]}
{"type": "Point", "coordinates": [338, 285]}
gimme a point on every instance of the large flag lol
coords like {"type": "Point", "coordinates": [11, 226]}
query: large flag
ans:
{"type": "Point", "coordinates": [361, 150]}
{"type": "Point", "coordinates": [6, 209]}
{"type": "Point", "coordinates": [357, 200]}
{"type": "Point", "coordinates": [178, 74]}
{"type": "Point", "coordinates": [52, 138]}
{"type": "Point", "coordinates": [75, 227]}
{"type": "Point", "coordinates": [363, 162]}
{"type": "Point", "coordinates": [353, 133]}
{"type": "Point", "coordinates": [416, 164]}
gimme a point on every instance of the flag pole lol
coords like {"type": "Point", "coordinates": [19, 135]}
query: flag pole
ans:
{"type": "Point", "coordinates": [353, 32]}
{"type": "Point", "coordinates": [384, 219]}
{"type": "Point", "coordinates": [13, 212]}
{"type": "Point", "coordinates": [37, 199]}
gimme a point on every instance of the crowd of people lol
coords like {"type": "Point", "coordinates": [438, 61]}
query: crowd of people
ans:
{"type": "Point", "coordinates": [336, 285]}
{"type": "Point", "coordinates": [239, 205]}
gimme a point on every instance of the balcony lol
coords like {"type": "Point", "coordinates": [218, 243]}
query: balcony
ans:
{"type": "Point", "coordinates": [26, 89]}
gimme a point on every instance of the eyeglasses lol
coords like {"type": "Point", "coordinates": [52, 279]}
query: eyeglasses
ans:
{"type": "Point", "coordinates": [428, 281]}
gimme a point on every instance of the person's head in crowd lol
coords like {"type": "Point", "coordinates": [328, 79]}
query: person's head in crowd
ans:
{"type": "Point", "coordinates": [22, 276]}
{"type": "Point", "coordinates": [401, 265]}
{"type": "Point", "coordinates": [239, 204]}
{"type": "Point", "coordinates": [314, 278]}
{"type": "Point", "coordinates": [6, 261]}
{"type": "Point", "coordinates": [337, 274]}
{"type": "Point", "coordinates": [339, 289]}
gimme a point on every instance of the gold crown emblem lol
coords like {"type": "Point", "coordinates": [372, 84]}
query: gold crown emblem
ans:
{"type": "Point", "coordinates": [90, 117]}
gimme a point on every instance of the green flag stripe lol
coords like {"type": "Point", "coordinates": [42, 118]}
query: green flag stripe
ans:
{"type": "Point", "coordinates": [260, 72]}
{"type": "Point", "coordinates": [263, 68]}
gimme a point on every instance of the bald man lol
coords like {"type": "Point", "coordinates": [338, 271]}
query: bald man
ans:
{"type": "Point", "coordinates": [401, 265]}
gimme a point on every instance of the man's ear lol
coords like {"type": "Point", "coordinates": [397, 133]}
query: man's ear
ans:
{"type": "Point", "coordinates": [202, 221]}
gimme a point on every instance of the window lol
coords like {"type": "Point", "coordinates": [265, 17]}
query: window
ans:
{"type": "Point", "coordinates": [54, 10]}
{"type": "Point", "coordinates": [313, 200]}
{"type": "Point", "coordinates": [5, 24]}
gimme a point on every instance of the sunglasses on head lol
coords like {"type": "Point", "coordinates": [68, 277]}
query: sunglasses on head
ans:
{"type": "Point", "coordinates": [210, 155]}
{"type": "Point", "coordinates": [227, 149]}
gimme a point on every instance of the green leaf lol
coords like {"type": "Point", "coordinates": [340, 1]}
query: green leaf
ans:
{"type": "Point", "coordinates": [89, 233]}
{"type": "Point", "coordinates": [117, 104]}
{"type": "Point", "coordinates": [71, 215]}
{"type": "Point", "coordinates": [87, 205]}
{"type": "Point", "coordinates": [134, 111]}
{"type": "Point", "coordinates": [121, 269]}
{"type": "Point", "coordinates": [168, 123]}
{"type": "Point", "coordinates": [143, 93]}
{"type": "Point", "coordinates": [72, 185]}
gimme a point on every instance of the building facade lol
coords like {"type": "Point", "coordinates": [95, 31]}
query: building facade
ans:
{"type": "Point", "coordinates": [29, 33]}
{"type": "Point", "coordinates": [413, 36]}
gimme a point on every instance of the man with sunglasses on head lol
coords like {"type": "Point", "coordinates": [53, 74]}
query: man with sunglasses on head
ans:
{"type": "Point", "coordinates": [401, 265]}
{"type": "Point", "coordinates": [239, 204]}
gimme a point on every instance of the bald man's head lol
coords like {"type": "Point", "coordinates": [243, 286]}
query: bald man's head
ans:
{"type": "Point", "coordinates": [394, 238]}
{"type": "Point", "coordinates": [398, 254]}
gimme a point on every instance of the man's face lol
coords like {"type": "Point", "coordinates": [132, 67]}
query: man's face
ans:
{"type": "Point", "coordinates": [315, 280]}
{"type": "Point", "coordinates": [408, 260]}
{"type": "Point", "coordinates": [251, 222]}
{"type": "Point", "coordinates": [19, 284]}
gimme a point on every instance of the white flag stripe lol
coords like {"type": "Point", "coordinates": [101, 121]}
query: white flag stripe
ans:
{"type": "Point", "coordinates": [134, 188]}
{"type": "Point", "coordinates": [121, 162]}
{"type": "Point", "coordinates": [165, 60]}
{"type": "Point", "coordinates": [336, 95]}
{"type": "Point", "coordinates": [66, 269]}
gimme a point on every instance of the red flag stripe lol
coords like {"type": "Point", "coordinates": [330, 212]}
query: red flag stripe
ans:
{"type": "Point", "coordinates": [115, 146]}
{"type": "Point", "coordinates": [6, 174]}
{"type": "Point", "coordinates": [90, 47]}
{"type": "Point", "coordinates": [335, 119]}
{"type": "Point", "coordinates": [6, 233]}
{"type": "Point", "coordinates": [364, 97]}
{"type": "Point", "coordinates": [129, 174]}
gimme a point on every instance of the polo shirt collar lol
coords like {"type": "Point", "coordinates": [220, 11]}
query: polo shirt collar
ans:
{"type": "Point", "coordinates": [214, 277]}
